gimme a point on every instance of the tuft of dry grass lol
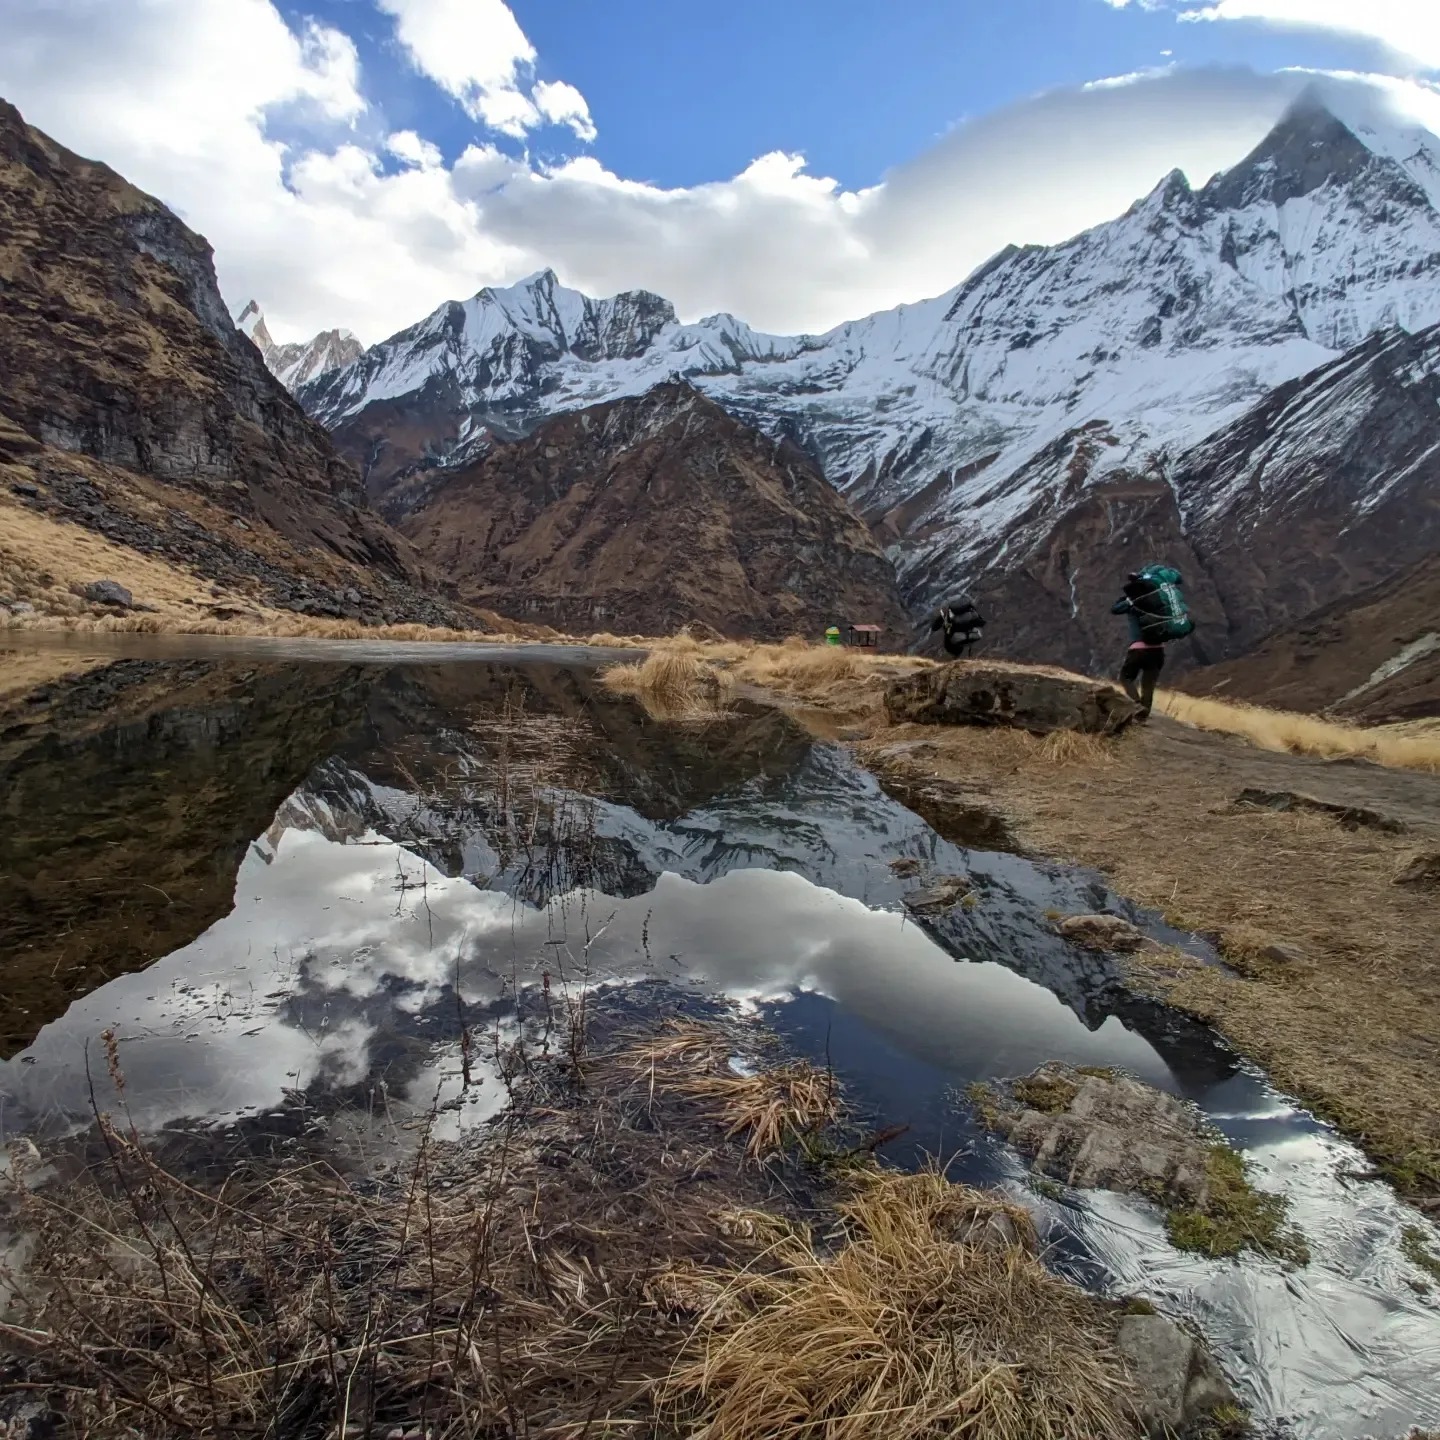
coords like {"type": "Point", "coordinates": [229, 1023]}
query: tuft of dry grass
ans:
{"type": "Point", "coordinates": [772, 1109]}
{"type": "Point", "coordinates": [921, 1325]}
{"type": "Point", "coordinates": [541, 1281]}
{"type": "Point", "coordinates": [673, 683]}
{"type": "Point", "coordinates": [834, 676]}
{"type": "Point", "coordinates": [1284, 730]}
{"type": "Point", "coordinates": [1071, 747]}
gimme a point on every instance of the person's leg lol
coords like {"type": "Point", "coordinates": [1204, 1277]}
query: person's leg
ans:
{"type": "Point", "coordinates": [1129, 671]}
{"type": "Point", "coordinates": [1154, 664]}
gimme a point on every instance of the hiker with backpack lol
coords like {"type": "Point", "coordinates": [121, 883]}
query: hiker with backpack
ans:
{"type": "Point", "coordinates": [1154, 604]}
{"type": "Point", "coordinates": [961, 626]}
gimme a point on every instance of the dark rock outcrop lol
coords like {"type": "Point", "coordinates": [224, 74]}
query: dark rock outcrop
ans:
{"type": "Point", "coordinates": [1039, 701]}
{"type": "Point", "coordinates": [130, 403]}
{"type": "Point", "coordinates": [653, 512]}
{"type": "Point", "coordinates": [1372, 656]}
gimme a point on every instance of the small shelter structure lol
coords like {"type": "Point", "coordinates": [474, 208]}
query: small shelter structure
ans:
{"type": "Point", "coordinates": [867, 637]}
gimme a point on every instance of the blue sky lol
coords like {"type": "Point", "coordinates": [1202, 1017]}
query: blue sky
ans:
{"type": "Point", "coordinates": [796, 162]}
{"type": "Point", "coordinates": [684, 93]}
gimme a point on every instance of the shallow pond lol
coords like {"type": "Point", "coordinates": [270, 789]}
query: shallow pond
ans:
{"type": "Point", "coordinates": [289, 884]}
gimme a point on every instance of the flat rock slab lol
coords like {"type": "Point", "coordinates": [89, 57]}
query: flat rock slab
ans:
{"type": "Point", "coordinates": [968, 694]}
{"type": "Point", "coordinates": [946, 891]}
{"type": "Point", "coordinates": [1351, 817]}
{"type": "Point", "coordinates": [1106, 1131]}
{"type": "Point", "coordinates": [1107, 933]}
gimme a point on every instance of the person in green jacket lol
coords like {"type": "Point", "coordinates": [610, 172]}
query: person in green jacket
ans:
{"type": "Point", "coordinates": [1144, 659]}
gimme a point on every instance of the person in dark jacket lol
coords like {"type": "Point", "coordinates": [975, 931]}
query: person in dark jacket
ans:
{"type": "Point", "coordinates": [961, 626]}
{"type": "Point", "coordinates": [1144, 660]}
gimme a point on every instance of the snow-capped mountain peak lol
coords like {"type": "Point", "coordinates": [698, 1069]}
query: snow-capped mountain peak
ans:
{"type": "Point", "coordinates": [295, 364]}
{"type": "Point", "coordinates": [955, 422]}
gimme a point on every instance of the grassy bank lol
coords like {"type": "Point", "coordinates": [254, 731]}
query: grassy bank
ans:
{"type": "Point", "coordinates": [1283, 730]}
{"type": "Point", "coordinates": [688, 678]}
{"type": "Point", "coordinates": [624, 1252]}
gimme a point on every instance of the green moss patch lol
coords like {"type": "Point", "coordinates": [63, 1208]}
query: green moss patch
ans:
{"type": "Point", "coordinates": [1414, 1247]}
{"type": "Point", "coordinates": [1048, 1094]}
{"type": "Point", "coordinates": [1236, 1216]}
{"type": "Point", "coordinates": [986, 1100]}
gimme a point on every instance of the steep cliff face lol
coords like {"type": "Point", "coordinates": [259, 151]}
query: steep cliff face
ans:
{"type": "Point", "coordinates": [646, 513]}
{"type": "Point", "coordinates": [128, 399]}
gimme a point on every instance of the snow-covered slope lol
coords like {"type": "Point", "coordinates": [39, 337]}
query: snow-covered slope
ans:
{"type": "Point", "coordinates": [951, 421]}
{"type": "Point", "coordinates": [294, 365]}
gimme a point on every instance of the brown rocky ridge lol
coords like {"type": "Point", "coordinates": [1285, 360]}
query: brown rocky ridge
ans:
{"type": "Point", "coordinates": [644, 513]}
{"type": "Point", "coordinates": [132, 407]}
{"type": "Point", "coordinates": [1373, 656]}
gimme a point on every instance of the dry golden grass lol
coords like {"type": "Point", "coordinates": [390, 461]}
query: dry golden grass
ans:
{"type": "Point", "coordinates": [834, 676]}
{"type": "Point", "coordinates": [542, 1280]}
{"type": "Point", "coordinates": [600, 1263]}
{"type": "Point", "coordinates": [41, 559]}
{"type": "Point", "coordinates": [771, 1109]}
{"type": "Point", "coordinates": [922, 1325]}
{"type": "Point", "coordinates": [1070, 747]}
{"type": "Point", "coordinates": [1304, 734]}
{"type": "Point", "coordinates": [46, 561]}
{"type": "Point", "coordinates": [673, 683]}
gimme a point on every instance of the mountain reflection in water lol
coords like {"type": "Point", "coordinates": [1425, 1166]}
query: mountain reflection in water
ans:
{"type": "Point", "coordinates": [288, 887]}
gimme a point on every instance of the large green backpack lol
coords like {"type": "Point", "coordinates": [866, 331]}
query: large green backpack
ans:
{"type": "Point", "coordinates": [1160, 602]}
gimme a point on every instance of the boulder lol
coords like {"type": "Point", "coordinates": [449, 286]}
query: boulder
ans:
{"type": "Point", "coordinates": [1039, 701]}
{"type": "Point", "coordinates": [1102, 932]}
{"type": "Point", "coordinates": [1177, 1382]}
{"type": "Point", "coordinates": [109, 592]}
{"type": "Point", "coordinates": [1421, 870]}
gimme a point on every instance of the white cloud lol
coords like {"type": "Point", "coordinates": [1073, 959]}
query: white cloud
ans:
{"type": "Point", "coordinates": [477, 52]}
{"type": "Point", "coordinates": [1408, 30]}
{"type": "Point", "coordinates": [315, 219]}
{"type": "Point", "coordinates": [563, 104]}
{"type": "Point", "coordinates": [406, 145]}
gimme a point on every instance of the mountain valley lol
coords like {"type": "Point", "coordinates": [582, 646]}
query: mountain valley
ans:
{"type": "Point", "coordinates": [1243, 370]}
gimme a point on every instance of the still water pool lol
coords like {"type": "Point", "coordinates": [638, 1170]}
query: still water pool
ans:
{"type": "Point", "coordinates": [288, 884]}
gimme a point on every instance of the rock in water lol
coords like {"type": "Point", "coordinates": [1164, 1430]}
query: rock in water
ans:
{"type": "Point", "coordinates": [1179, 1384]}
{"type": "Point", "coordinates": [1102, 932]}
{"type": "Point", "coordinates": [1034, 700]}
{"type": "Point", "coordinates": [109, 592]}
{"type": "Point", "coordinates": [1107, 1131]}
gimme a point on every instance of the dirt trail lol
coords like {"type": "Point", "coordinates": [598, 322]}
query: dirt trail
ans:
{"type": "Point", "coordinates": [1347, 1016]}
